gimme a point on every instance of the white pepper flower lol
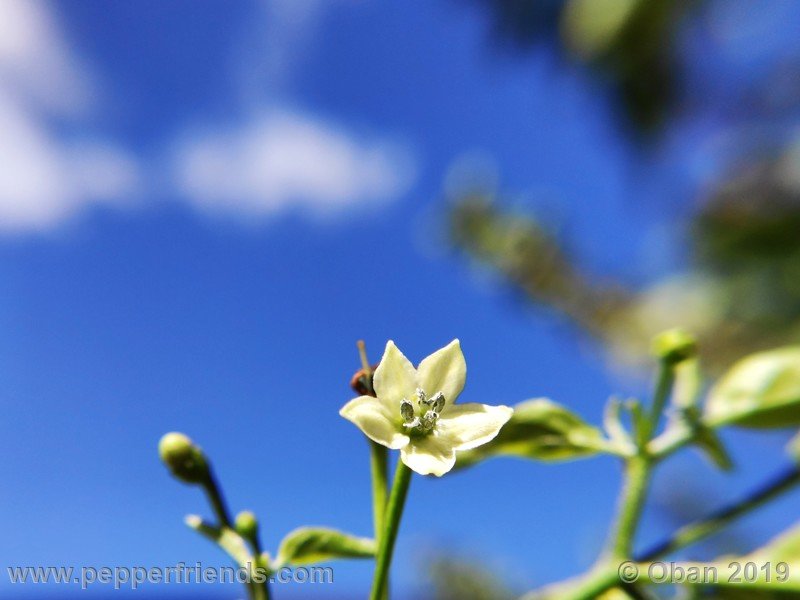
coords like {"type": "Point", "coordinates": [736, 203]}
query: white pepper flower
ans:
{"type": "Point", "coordinates": [415, 410]}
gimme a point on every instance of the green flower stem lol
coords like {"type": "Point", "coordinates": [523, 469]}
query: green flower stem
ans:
{"type": "Point", "coordinates": [694, 532]}
{"type": "Point", "coordinates": [260, 590]}
{"type": "Point", "coordinates": [216, 500]}
{"type": "Point", "coordinates": [394, 512]}
{"type": "Point", "coordinates": [379, 468]}
{"type": "Point", "coordinates": [636, 481]}
{"type": "Point", "coordinates": [256, 591]}
{"type": "Point", "coordinates": [638, 470]}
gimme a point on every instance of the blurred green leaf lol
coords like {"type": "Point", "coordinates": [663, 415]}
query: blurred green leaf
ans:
{"type": "Point", "coordinates": [784, 548]}
{"type": "Point", "coordinates": [307, 545]}
{"type": "Point", "coordinates": [457, 578]}
{"type": "Point", "coordinates": [761, 390]}
{"type": "Point", "coordinates": [589, 27]}
{"type": "Point", "coordinates": [706, 439]}
{"type": "Point", "coordinates": [540, 430]}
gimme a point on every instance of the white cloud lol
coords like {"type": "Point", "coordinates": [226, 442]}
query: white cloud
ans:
{"type": "Point", "coordinates": [36, 63]}
{"type": "Point", "coordinates": [44, 178]}
{"type": "Point", "coordinates": [277, 157]}
{"type": "Point", "coordinates": [273, 160]}
{"type": "Point", "coordinates": [281, 159]}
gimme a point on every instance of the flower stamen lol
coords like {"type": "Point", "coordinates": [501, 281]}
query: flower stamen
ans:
{"type": "Point", "coordinates": [407, 411]}
{"type": "Point", "coordinates": [429, 411]}
{"type": "Point", "coordinates": [422, 397]}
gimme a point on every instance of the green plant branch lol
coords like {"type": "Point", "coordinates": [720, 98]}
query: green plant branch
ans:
{"type": "Point", "coordinates": [636, 481]}
{"type": "Point", "coordinates": [236, 547]}
{"type": "Point", "coordinates": [216, 500]}
{"type": "Point", "coordinates": [261, 590]}
{"type": "Point", "coordinates": [379, 468]}
{"type": "Point", "coordinates": [694, 532]}
{"type": "Point", "coordinates": [394, 512]}
{"type": "Point", "coordinates": [672, 440]}
{"type": "Point", "coordinates": [257, 591]}
{"type": "Point", "coordinates": [638, 470]}
{"type": "Point", "coordinates": [606, 575]}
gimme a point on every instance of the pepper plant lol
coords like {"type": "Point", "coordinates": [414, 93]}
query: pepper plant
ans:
{"type": "Point", "coordinates": [414, 410]}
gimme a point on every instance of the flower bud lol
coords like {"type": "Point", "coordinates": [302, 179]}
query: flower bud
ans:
{"type": "Point", "coordinates": [246, 525]}
{"type": "Point", "coordinates": [361, 382]}
{"type": "Point", "coordinates": [674, 346]}
{"type": "Point", "coordinates": [183, 458]}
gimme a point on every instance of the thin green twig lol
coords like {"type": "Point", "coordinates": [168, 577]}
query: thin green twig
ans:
{"type": "Point", "coordinates": [694, 532]}
{"type": "Point", "coordinates": [216, 500]}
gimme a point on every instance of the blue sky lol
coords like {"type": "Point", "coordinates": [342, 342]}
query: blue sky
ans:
{"type": "Point", "coordinates": [204, 205]}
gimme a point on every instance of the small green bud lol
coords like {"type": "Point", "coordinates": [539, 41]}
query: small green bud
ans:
{"type": "Point", "coordinates": [246, 525]}
{"type": "Point", "coordinates": [674, 346]}
{"type": "Point", "coordinates": [183, 458]}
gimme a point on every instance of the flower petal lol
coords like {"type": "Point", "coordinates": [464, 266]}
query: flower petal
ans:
{"type": "Point", "coordinates": [444, 371]}
{"type": "Point", "coordinates": [369, 415]}
{"type": "Point", "coordinates": [429, 455]}
{"type": "Point", "coordinates": [395, 378]}
{"type": "Point", "coordinates": [467, 426]}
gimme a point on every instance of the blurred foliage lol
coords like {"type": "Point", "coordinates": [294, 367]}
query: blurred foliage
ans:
{"type": "Point", "coordinates": [627, 43]}
{"type": "Point", "coordinates": [531, 259]}
{"type": "Point", "coordinates": [740, 294]}
{"type": "Point", "coordinates": [461, 579]}
{"type": "Point", "coordinates": [741, 290]}
{"type": "Point", "coordinates": [747, 235]}
{"type": "Point", "coordinates": [540, 430]}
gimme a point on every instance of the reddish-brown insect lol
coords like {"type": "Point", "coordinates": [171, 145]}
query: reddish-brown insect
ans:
{"type": "Point", "coordinates": [362, 383]}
